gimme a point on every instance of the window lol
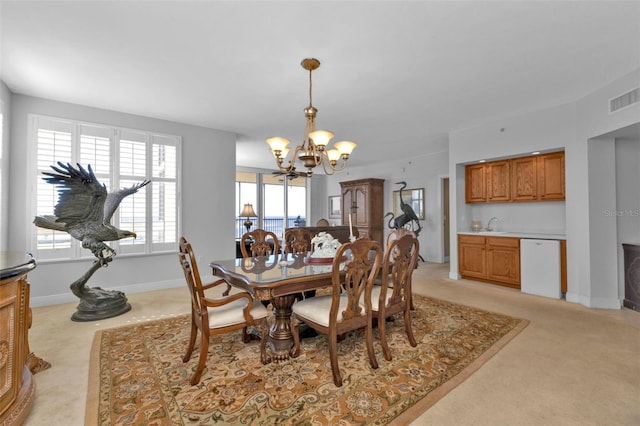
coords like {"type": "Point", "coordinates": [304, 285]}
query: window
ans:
{"type": "Point", "coordinates": [119, 158]}
{"type": "Point", "coordinates": [273, 198]}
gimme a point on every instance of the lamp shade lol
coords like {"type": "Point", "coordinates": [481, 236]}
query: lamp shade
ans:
{"type": "Point", "coordinates": [277, 143]}
{"type": "Point", "coordinates": [345, 147]}
{"type": "Point", "coordinates": [321, 137]}
{"type": "Point", "coordinates": [247, 211]}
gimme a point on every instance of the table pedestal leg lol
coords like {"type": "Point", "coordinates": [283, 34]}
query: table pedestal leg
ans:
{"type": "Point", "coordinates": [280, 335]}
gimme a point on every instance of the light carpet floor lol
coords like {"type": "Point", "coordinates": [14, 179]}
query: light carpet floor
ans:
{"type": "Point", "coordinates": [571, 366]}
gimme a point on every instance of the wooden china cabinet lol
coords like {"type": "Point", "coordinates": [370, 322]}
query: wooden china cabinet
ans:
{"type": "Point", "coordinates": [362, 199]}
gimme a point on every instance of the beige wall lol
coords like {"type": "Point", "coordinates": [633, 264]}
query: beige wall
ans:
{"type": "Point", "coordinates": [208, 176]}
{"type": "Point", "coordinates": [5, 110]}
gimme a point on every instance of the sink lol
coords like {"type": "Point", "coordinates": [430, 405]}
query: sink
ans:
{"type": "Point", "coordinates": [491, 232]}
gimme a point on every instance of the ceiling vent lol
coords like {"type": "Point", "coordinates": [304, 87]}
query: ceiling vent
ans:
{"type": "Point", "coordinates": [623, 101]}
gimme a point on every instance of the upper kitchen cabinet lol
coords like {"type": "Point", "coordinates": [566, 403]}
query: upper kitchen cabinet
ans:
{"type": "Point", "coordinates": [524, 177]}
{"type": "Point", "coordinates": [551, 177]}
{"type": "Point", "coordinates": [498, 181]}
{"type": "Point", "coordinates": [475, 183]}
{"type": "Point", "coordinates": [531, 178]}
{"type": "Point", "coordinates": [363, 200]}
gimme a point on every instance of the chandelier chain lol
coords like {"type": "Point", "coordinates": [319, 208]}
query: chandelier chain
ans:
{"type": "Point", "coordinates": [310, 92]}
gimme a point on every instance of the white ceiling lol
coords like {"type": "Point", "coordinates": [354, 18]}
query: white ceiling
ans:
{"type": "Point", "coordinates": [396, 76]}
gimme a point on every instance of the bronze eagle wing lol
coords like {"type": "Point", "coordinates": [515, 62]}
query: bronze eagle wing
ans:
{"type": "Point", "coordinates": [81, 197]}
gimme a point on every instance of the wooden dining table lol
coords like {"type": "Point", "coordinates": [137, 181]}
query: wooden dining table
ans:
{"type": "Point", "coordinates": [279, 279]}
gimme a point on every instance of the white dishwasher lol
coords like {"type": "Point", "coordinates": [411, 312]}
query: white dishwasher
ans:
{"type": "Point", "coordinates": [540, 267]}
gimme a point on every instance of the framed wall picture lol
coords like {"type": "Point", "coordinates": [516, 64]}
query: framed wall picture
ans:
{"type": "Point", "coordinates": [334, 207]}
{"type": "Point", "coordinates": [411, 197]}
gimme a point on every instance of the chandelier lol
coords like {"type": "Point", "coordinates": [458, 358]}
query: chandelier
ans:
{"type": "Point", "coordinates": [313, 151]}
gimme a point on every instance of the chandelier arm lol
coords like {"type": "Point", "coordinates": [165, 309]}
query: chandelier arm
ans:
{"type": "Point", "coordinates": [343, 164]}
{"type": "Point", "coordinates": [340, 165]}
{"type": "Point", "coordinates": [324, 166]}
{"type": "Point", "coordinates": [292, 160]}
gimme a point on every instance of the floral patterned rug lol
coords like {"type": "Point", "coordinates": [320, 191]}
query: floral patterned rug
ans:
{"type": "Point", "coordinates": [137, 376]}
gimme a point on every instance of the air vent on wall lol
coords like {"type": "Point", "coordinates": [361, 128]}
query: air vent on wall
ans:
{"type": "Point", "coordinates": [625, 100]}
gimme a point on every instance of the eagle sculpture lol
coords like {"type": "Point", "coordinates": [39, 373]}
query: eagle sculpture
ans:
{"type": "Point", "coordinates": [84, 210]}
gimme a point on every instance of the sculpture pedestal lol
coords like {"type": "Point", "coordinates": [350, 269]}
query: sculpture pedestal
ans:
{"type": "Point", "coordinates": [96, 303]}
{"type": "Point", "coordinates": [99, 304]}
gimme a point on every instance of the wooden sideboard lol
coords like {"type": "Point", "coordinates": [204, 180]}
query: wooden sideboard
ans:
{"type": "Point", "coordinates": [17, 362]}
{"type": "Point", "coordinates": [340, 233]}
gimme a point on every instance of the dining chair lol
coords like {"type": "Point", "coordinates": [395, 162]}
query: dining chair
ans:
{"type": "Point", "coordinates": [218, 315]}
{"type": "Point", "coordinates": [343, 309]}
{"type": "Point", "coordinates": [297, 241]}
{"type": "Point", "coordinates": [397, 233]}
{"type": "Point", "coordinates": [394, 294]}
{"type": "Point", "coordinates": [260, 243]}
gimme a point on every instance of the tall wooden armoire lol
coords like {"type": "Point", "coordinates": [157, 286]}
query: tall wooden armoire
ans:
{"type": "Point", "coordinates": [363, 200]}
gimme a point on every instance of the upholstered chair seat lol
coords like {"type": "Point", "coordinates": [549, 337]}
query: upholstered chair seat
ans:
{"type": "Point", "coordinates": [232, 313]}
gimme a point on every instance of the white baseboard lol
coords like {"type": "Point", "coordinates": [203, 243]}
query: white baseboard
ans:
{"type": "Point", "coordinates": [57, 299]}
{"type": "Point", "coordinates": [594, 302]}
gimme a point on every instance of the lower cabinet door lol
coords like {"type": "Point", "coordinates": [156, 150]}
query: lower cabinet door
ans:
{"type": "Point", "coordinates": [472, 260]}
{"type": "Point", "coordinates": [503, 260]}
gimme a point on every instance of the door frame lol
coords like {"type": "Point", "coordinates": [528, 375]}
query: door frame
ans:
{"type": "Point", "coordinates": [445, 220]}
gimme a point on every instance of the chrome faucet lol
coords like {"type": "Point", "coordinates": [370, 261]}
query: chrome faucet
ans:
{"type": "Point", "coordinates": [489, 224]}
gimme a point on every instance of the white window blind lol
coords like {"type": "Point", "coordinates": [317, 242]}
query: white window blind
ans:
{"type": "Point", "coordinates": [119, 158]}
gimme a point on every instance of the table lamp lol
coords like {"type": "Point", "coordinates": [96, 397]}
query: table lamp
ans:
{"type": "Point", "coordinates": [247, 211]}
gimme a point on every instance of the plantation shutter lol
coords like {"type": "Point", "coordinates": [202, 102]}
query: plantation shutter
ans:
{"type": "Point", "coordinates": [54, 144]}
{"type": "Point", "coordinates": [133, 209]}
{"type": "Point", "coordinates": [164, 192]}
{"type": "Point", "coordinates": [119, 158]}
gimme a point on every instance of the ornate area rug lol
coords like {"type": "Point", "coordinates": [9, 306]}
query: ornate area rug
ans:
{"type": "Point", "coordinates": [137, 376]}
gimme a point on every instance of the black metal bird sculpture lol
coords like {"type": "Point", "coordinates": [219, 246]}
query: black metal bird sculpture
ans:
{"type": "Point", "coordinates": [408, 210]}
{"type": "Point", "coordinates": [407, 218]}
{"type": "Point", "coordinates": [84, 210]}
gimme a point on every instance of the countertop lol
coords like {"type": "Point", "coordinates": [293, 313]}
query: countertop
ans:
{"type": "Point", "coordinates": [515, 234]}
{"type": "Point", "coordinates": [14, 263]}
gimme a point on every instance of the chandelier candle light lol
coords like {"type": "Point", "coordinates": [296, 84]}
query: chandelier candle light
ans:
{"type": "Point", "coordinates": [313, 150]}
